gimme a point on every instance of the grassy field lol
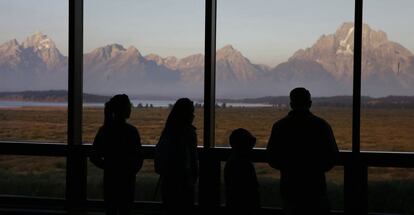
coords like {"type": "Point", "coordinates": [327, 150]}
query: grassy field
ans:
{"type": "Point", "coordinates": [381, 129]}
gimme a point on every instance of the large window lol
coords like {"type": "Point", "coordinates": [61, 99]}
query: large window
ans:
{"type": "Point", "coordinates": [151, 51]}
{"type": "Point", "coordinates": [387, 116]}
{"type": "Point", "coordinates": [154, 52]}
{"type": "Point", "coordinates": [265, 49]}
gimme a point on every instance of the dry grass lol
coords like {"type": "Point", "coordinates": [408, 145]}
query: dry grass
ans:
{"type": "Point", "coordinates": [381, 129]}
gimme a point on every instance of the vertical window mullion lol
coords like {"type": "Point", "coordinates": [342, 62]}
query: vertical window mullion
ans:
{"type": "Point", "coordinates": [209, 181]}
{"type": "Point", "coordinates": [76, 161]}
{"type": "Point", "coordinates": [210, 73]}
{"type": "Point", "coordinates": [356, 113]}
{"type": "Point", "coordinates": [75, 63]}
{"type": "Point", "coordinates": [356, 175]}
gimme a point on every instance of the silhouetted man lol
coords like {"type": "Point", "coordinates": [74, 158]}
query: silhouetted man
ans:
{"type": "Point", "coordinates": [302, 146]}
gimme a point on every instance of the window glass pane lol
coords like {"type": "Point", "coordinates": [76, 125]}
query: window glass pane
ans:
{"type": "Point", "coordinates": [269, 186]}
{"type": "Point", "coordinates": [335, 186]}
{"type": "Point", "coordinates": [145, 187]}
{"type": "Point", "coordinates": [153, 52]}
{"type": "Point", "coordinates": [94, 182]}
{"type": "Point", "coordinates": [267, 48]}
{"type": "Point", "coordinates": [387, 76]}
{"type": "Point", "coordinates": [390, 190]}
{"type": "Point", "coordinates": [33, 70]}
{"type": "Point", "coordinates": [32, 176]}
{"type": "Point", "coordinates": [149, 50]}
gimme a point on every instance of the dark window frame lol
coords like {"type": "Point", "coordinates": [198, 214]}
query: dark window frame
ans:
{"type": "Point", "coordinates": [356, 162]}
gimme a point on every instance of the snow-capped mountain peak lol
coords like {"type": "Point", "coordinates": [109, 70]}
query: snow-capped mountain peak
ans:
{"type": "Point", "coordinates": [345, 47]}
{"type": "Point", "coordinates": [39, 41]}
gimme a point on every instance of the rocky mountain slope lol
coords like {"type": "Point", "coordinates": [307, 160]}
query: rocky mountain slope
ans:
{"type": "Point", "coordinates": [326, 68]}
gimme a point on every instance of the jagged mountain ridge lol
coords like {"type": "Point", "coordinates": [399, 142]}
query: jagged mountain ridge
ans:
{"type": "Point", "coordinates": [387, 67]}
{"type": "Point", "coordinates": [115, 69]}
{"type": "Point", "coordinates": [325, 67]}
{"type": "Point", "coordinates": [35, 64]}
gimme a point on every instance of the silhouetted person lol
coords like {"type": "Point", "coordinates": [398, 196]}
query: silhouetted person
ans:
{"type": "Point", "coordinates": [176, 160]}
{"type": "Point", "coordinates": [302, 146]}
{"type": "Point", "coordinates": [117, 150]}
{"type": "Point", "coordinates": [242, 194]}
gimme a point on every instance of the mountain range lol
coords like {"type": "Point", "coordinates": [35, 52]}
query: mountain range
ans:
{"type": "Point", "coordinates": [325, 68]}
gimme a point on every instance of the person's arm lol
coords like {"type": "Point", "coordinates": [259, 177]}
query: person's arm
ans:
{"type": "Point", "coordinates": [332, 152]}
{"type": "Point", "coordinates": [186, 156]}
{"type": "Point", "coordinates": [138, 152]}
{"type": "Point", "coordinates": [96, 156]}
{"type": "Point", "coordinates": [194, 154]}
{"type": "Point", "coordinates": [272, 151]}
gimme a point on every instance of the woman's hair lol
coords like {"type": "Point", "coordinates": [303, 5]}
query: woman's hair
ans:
{"type": "Point", "coordinates": [117, 108]}
{"type": "Point", "coordinates": [182, 114]}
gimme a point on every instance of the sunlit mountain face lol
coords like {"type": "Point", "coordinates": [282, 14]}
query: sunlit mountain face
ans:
{"type": "Point", "coordinates": [326, 68]}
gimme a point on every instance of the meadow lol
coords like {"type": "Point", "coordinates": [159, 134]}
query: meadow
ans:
{"type": "Point", "coordinates": [381, 129]}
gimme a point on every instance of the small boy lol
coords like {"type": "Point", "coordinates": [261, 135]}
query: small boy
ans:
{"type": "Point", "coordinates": [242, 194]}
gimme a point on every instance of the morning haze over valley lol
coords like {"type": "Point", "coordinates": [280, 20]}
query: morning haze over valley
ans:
{"type": "Point", "coordinates": [325, 68]}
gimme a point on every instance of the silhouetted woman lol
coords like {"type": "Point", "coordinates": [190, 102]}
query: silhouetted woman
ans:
{"type": "Point", "coordinates": [117, 150]}
{"type": "Point", "coordinates": [178, 161]}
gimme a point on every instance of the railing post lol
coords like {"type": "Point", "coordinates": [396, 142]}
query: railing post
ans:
{"type": "Point", "coordinates": [210, 169]}
{"type": "Point", "coordinates": [209, 183]}
{"type": "Point", "coordinates": [76, 161]}
{"type": "Point", "coordinates": [355, 186]}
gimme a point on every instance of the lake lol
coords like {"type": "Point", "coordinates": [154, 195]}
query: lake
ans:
{"type": "Point", "coordinates": [135, 102]}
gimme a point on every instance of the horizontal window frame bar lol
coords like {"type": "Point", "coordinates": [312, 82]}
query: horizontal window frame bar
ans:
{"type": "Point", "coordinates": [369, 158]}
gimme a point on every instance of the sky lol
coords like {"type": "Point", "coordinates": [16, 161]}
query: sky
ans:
{"type": "Point", "coordinates": [265, 31]}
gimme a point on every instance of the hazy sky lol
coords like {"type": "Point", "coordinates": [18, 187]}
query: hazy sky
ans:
{"type": "Point", "coordinates": [265, 31]}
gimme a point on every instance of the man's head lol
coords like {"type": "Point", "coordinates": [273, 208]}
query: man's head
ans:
{"type": "Point", "coordinates": [300, 99]}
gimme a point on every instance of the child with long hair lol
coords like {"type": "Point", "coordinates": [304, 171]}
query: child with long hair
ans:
{"type": "Point", "coordinates": [117, 150]}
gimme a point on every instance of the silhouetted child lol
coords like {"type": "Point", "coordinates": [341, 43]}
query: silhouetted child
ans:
{"type": "Point", "coordinates": [117, 150]}
{"type": "Point", "coordinates": [242, 194]}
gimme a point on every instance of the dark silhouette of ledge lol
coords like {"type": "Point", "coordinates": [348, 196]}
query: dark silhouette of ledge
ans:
{"type": "Point", "coordinates": [34, 205]}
